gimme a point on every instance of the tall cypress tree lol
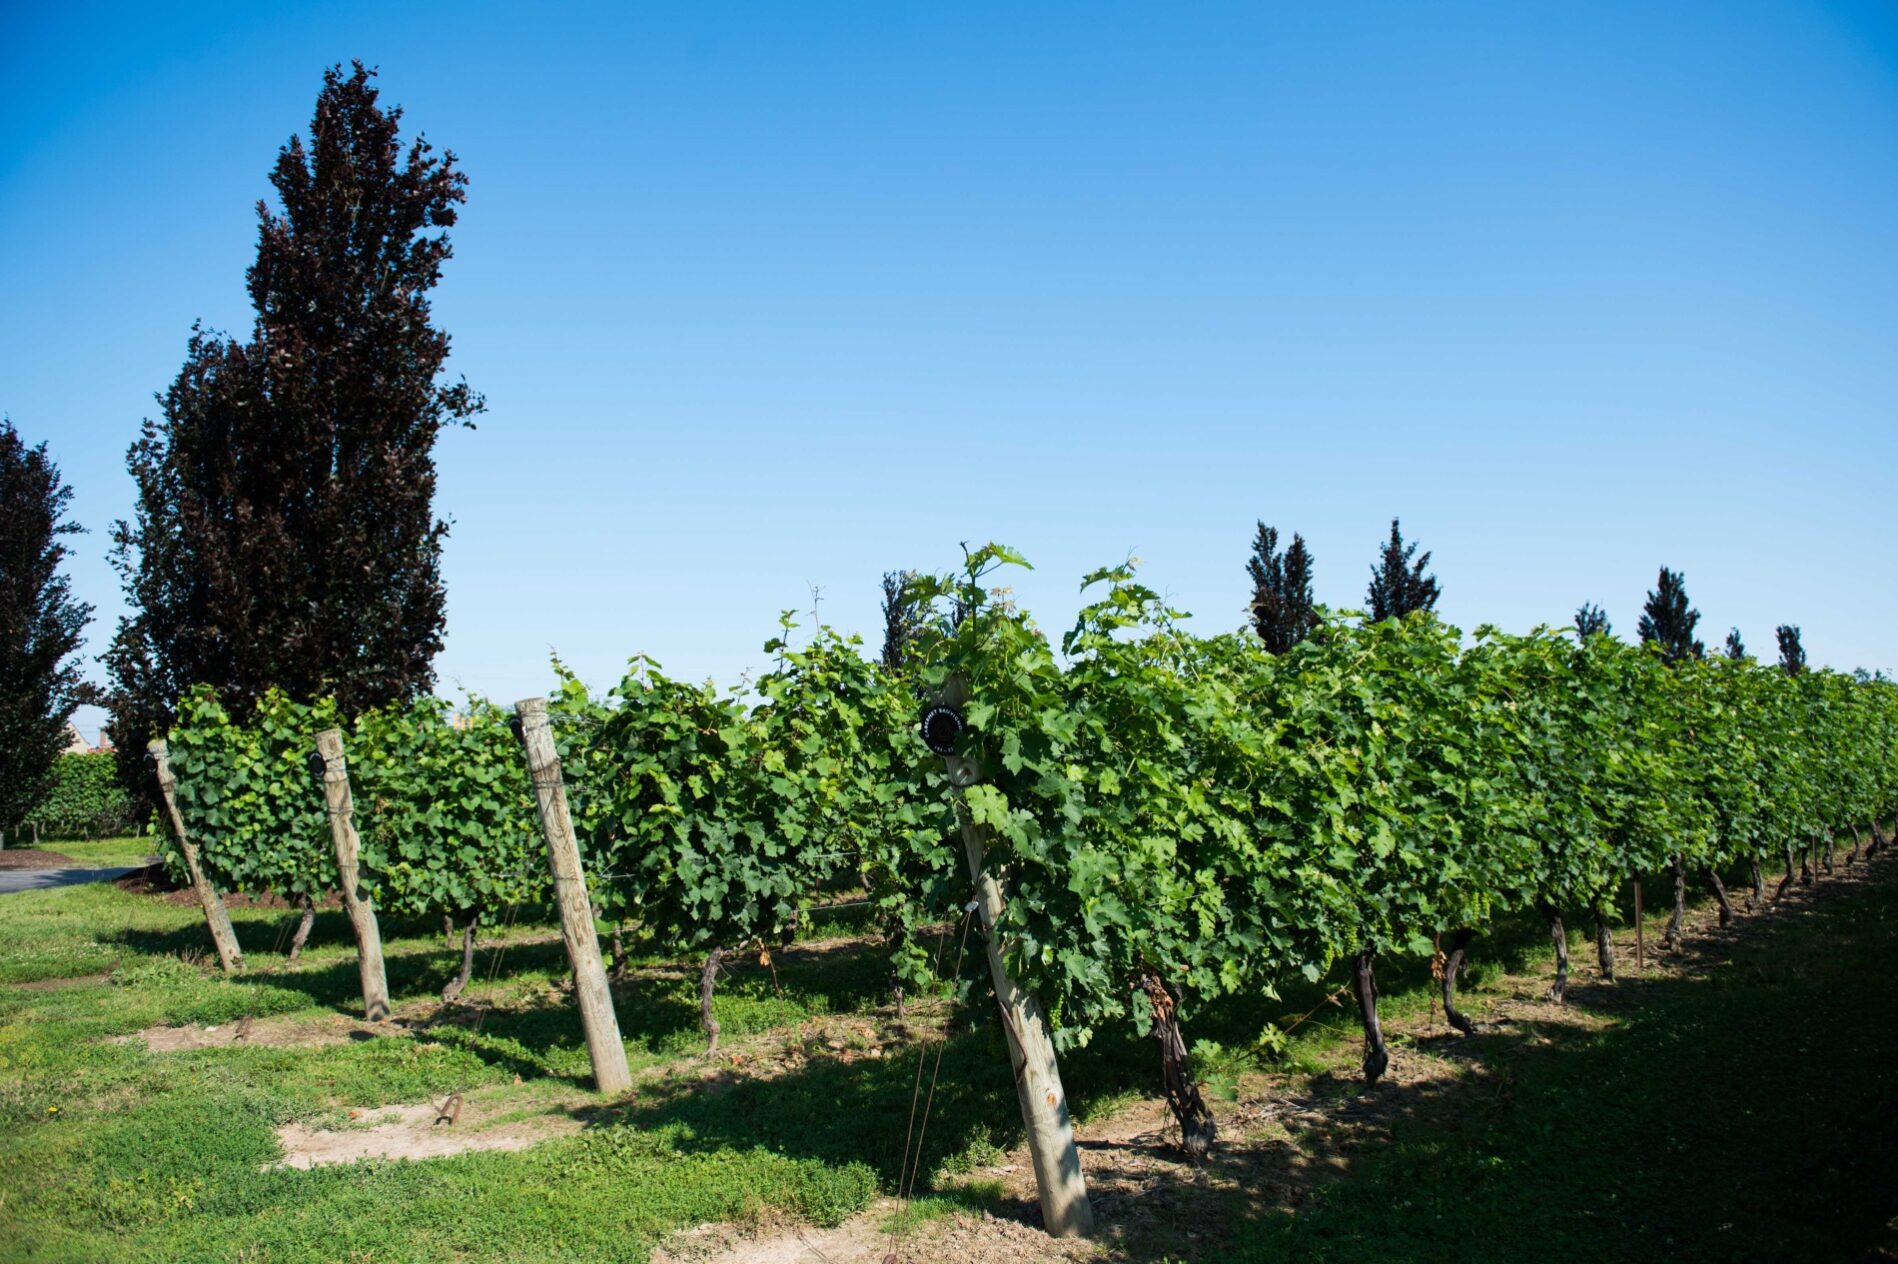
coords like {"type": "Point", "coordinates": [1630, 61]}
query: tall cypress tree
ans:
{"type": "Point", "coordinates": [41, 626]}
{"type": "Point", "coordinates": [1792, 655]}
{"type": "Point", "coordinates": [1591, 620]}
{"type": "Point", "coordinates": [903, 618]}
{"type": "Point", "coordinates": [285, 532]}
{"type": "Point", "coordinates": [1668, 620]}
{"type": "Point", "coordinates": [1283, 612]}
{"type": "Point", "coordinates": [1736, 648]}
{"type": "Point", "coordinates": [1400, 585]}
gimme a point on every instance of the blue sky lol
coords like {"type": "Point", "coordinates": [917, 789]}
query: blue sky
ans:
{"type": "Point", "coordinates": [765, 297]}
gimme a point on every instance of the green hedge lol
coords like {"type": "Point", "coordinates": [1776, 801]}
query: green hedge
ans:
{"type": "Point", "coordinates": [86, 800]}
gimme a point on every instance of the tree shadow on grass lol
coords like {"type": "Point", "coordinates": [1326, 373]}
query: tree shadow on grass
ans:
{"type": "Point", "coordinates": [255, 934]}
{"type": "Point", "coordinates": [414, 973]}
{"type": "Point", "coordinates": [1151, 1203]}
{"type": "Point", "coordinates": [847, 1111]}
{"type": "Point", "coordinates": [537, 1033]}
{"type": "Point", "coordinates": [1691, 1127]}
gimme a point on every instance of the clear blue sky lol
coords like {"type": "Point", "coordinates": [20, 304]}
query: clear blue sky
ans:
{"type": "Point", "coordinates": [770, 296]}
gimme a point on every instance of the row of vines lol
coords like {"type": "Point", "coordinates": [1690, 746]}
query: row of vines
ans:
{"type": "Point", "coordinates": [1175, 817]}
{"type": "Point", "coordinates": [84, 801]}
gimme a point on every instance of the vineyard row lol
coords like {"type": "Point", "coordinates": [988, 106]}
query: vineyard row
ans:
{"type": "Point", "coordinates": [1174, 818]}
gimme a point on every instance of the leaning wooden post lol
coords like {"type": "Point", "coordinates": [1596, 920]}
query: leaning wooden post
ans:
{"type": "Point", "coordinates": [601, 1024]}
{"type": "Point", "coordinates": [362, 913]}
{"type": "Point", "coordinates": [1065, 1210]}
{"type": "Point", "coordinates": [216, 916]}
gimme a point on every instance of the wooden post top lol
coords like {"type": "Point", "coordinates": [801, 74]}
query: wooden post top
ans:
{"type": "Point", "coordinates": [537, 737]}
{"type": "Point", "coordinates": [161, 760]}
{"type": "Point", "coordinates": [329, 744]}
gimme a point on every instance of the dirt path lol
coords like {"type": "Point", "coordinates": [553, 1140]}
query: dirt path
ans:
{"type": "Point", "coordinates": [34, 858]}
{"type": "Point", "coordinates": [300, 1032]}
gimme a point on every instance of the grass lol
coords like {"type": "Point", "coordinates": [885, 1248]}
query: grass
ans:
{"type": "Point", "coordinates": [1745, 1111]}
{"type": "Point", "coordinates": [109, 1152]}
{"type": "Point", "coordinates": [112, 1153]}
{"type": "Point", "coordinates": [101, 852]}
{"type": "Point", "coordinates": [106, 852]}
{"type": "Point", "coordinates": [960, 1199]}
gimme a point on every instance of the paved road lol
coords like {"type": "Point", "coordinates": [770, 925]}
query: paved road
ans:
{"type": "Point", "coordinates": [38, 879]}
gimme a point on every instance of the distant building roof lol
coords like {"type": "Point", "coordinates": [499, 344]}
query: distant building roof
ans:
{"type": "Point", "coordinates": [75, 744]}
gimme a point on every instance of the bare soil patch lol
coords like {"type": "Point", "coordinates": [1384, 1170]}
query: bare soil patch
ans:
{"type": "Point", "coordinates": [963, 1238]}
{"type": "Point", "coordinates": [34, 858]}
{"type": "Point", "coordinates": [411, 1132]}
{"type": "Point", "coordinates": [302, 1032]}
{"type": "Point", "coordinates": [152, 879]}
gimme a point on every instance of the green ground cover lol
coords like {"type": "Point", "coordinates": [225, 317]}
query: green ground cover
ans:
{"type": "Point", "coordinates": [105, 852]}
{"type": "Point", "coordinates": [1741, 1111]}
{"type": "Point", "coordinates": [109, 1152]}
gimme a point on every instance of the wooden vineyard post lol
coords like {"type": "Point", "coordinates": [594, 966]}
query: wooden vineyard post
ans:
{"type": "Point", "coordinates": [362, 913]}
{"type": "Point", "coordinates": [1065, 1210]}
{"type": "Point", "coordinates": [1640, 937]}
{"type": "Point", "coordinates": [216, 916]}
{"type": "Point", "coordinates": [601, 1024]}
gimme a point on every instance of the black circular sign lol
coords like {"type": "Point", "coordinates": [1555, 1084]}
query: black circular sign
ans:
{"type": "Point", "coordinates": [941, 727]}
{"type": "Point", "coordinates": [319, 767]}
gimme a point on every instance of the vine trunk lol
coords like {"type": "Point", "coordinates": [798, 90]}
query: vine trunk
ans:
{"type": "Point", "coordinates": [1452, 962]}
{"type": "Point", "coordinates": [708, 981]}
{"type": "Point", "coordinates": [1197, 1129]}
{"type": "Point", "coordinates": [1377, 1056]}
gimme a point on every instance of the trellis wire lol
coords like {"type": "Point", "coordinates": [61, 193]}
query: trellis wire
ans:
{"type": "Point", "coordinates": [908, 1173]}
